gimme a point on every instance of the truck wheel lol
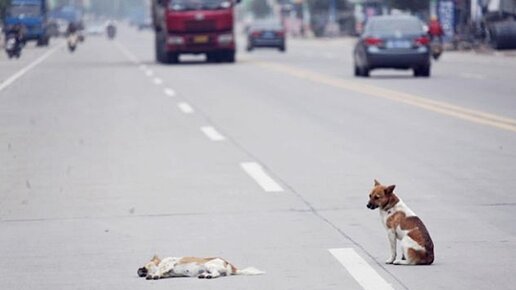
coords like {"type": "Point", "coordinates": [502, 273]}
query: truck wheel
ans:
{"type": "Point", "coordinates": [229, 57]}
{"type": "Point", "coordinates": [159, 49]}
{"type": "Point", "coordinates": [172, 57]}
{"type": "Point", "coordinates": [212, 57]}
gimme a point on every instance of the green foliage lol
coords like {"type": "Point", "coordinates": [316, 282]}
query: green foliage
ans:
{"type": "Point", "coordinates": [3, 6]}
{"type": "Point", "coordinates": [115, 7]}
{"type": "Point", "coordinates": [324, 5]}
{"type": "Point", "coordinates": [410, 5]}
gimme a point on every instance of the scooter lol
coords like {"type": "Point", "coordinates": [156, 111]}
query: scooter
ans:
{"type": "Point", "coordinates": [72, 40]}
{"type": "Point", "coordinates": [436, 48]}
{"type": "Point", "coordinates": [13, 46]}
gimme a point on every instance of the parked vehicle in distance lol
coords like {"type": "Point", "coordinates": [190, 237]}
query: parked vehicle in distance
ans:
{"type": "Point", "coordinates": [397, 42]}
{"type": "Point", "coordinates": [266, 34]}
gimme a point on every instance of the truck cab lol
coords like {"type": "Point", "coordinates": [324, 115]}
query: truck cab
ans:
{"type": "Point", "coordinates": [194, 27]}
{"type": "Point", "coordinates": [32, 15]}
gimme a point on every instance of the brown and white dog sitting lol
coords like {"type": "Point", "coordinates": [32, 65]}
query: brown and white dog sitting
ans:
{"type": "Point", "coordinates": [402, 224]}
{"type": "Point", "coordinates": [203, 268]}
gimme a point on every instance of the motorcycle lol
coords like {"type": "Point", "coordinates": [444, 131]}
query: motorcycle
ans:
{"type": "Point", "coordinates": [436, 48]}
{"type": "Point", "coordinates": [111, 31]}
{"type": "Point", "coordinates": [13, 46]}
{"type": "Point", "coordinates": [72, 40]}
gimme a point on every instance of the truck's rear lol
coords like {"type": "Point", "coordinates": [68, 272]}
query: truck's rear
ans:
{"type": "Point", "coordinates": [194, 27]}
{"type": "Point", "coordinates": [32, 15]}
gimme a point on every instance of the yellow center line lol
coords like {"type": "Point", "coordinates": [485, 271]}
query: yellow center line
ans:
{"type": "Point", "coordinates": [440, 107]}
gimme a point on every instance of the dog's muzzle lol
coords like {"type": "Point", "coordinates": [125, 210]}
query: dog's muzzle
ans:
{"type": "Point", "coordinates": [371, 206]}
{"type": "Point", "coordinates": [142, 272]}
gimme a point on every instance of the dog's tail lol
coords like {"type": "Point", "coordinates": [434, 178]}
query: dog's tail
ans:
{"type": "Point", "coordinates": [249, 271]}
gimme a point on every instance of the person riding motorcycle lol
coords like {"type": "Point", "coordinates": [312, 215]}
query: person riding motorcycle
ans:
{"type": "Point", "coordinates": [435, 30]}
{"type": "Point", "coordinates": [436, 33]}
{"type": "Point", "coordinates": [72, 35]}
{"type": "Point", "coordinates": [17, 30]}
{"type": "Point", "coordinates": [14, 40]}
{"type": "Point", "coordinates": [111, 29]}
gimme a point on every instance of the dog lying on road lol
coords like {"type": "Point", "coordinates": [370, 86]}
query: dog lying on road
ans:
{"type": "Point", "coordinates": [203, 268]}
{"type": "Point", "coordinates": [402, 224]}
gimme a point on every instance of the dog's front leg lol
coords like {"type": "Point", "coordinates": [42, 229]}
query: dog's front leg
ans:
{"type": "Point", "coordinates": [392, 241]}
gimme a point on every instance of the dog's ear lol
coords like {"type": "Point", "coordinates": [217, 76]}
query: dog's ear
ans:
{"type": "Point", "coordinates": [390, 189]}
{"type": "Point", "coordinates": [376, 182]}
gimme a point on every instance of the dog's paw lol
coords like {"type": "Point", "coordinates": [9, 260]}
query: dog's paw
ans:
{"type": "Point", "coordinates": [390, 261]}
{"type": "Point", "coordinates": [400, 262]}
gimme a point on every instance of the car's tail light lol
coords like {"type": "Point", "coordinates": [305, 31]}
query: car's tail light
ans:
{"type": "Point", "coordinates": [421, 41]}
{"type": "Point", "coordinates": [280, 33]}
{"type": "Point", "coordinates": [373, 41]}
{"type": "Point", "coordinates": [256, 33]}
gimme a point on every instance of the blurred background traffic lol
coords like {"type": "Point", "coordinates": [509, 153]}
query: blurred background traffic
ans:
{"type": "Point", "coordinates": [466, 24]}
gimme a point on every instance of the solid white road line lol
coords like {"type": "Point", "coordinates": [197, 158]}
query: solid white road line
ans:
{"type": "Point", "coordinates": [169, 92]}
{"type": "Point", "coordinates": [185, 108]}
{"type": "Point", "coordinates": [256, 172]}
{"type": "Point", "coordinates": [212, 133]}
{"type": "Point", "coordinates": [26, 69]}
{"type": "Point", "coordinates": [157, 81]}
{"type": "Point", "coordinates": [364, 274]}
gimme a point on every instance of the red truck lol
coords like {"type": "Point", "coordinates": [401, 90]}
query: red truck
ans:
{"type": "Point", "coordinates": [194, 27]}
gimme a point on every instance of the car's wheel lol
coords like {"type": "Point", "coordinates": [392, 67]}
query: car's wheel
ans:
{"type": "Point", "coordinates": [356, 71]}
{"type": "Point", "coordinates": [282, 48]}
{"type": "Point", "coordinates": [250, 48]}
{"type": "Point", "coordinates": [422, 71]}
{"type": "Point", "coordinates": [364, 71]}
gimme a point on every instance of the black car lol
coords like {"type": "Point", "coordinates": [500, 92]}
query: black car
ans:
{"type": "Point", "coordinates": [398, 42]}
{"type": "Point", "coordinates": [266, 34]}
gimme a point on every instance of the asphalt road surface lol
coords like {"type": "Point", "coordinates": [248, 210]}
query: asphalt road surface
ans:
{"type": "Point", "coordinates": [108, 158]}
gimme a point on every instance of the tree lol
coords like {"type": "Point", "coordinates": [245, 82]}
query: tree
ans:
{"type": "Point", "coordinates": [3, 6]}
{"type": "Point", "coordinates": [410, 5]}
{"type": "Point", "coordinates": [260, 8]}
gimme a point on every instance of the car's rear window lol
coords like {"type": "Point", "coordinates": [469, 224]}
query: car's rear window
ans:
{"type": "Point", "coordinates": [395, 26]}
{"type": "Point", "coordinates": [266, 26]}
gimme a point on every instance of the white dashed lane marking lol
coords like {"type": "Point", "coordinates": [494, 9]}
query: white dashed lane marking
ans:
{"type": "Point", "coordinates": [149, 73]}
{"type": "Point", "coordinates": [169, 92]}
{"type": "Point", "coordinates": [157, 81]}
{"type": "Point", "coordinates": [361, 271]}
{"type": "Point", "coordinates": [185, 108]}
{"type": "Point", "coordinates": [257, 173]}
{"type": "Point", "coordinates": [212, 134]}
